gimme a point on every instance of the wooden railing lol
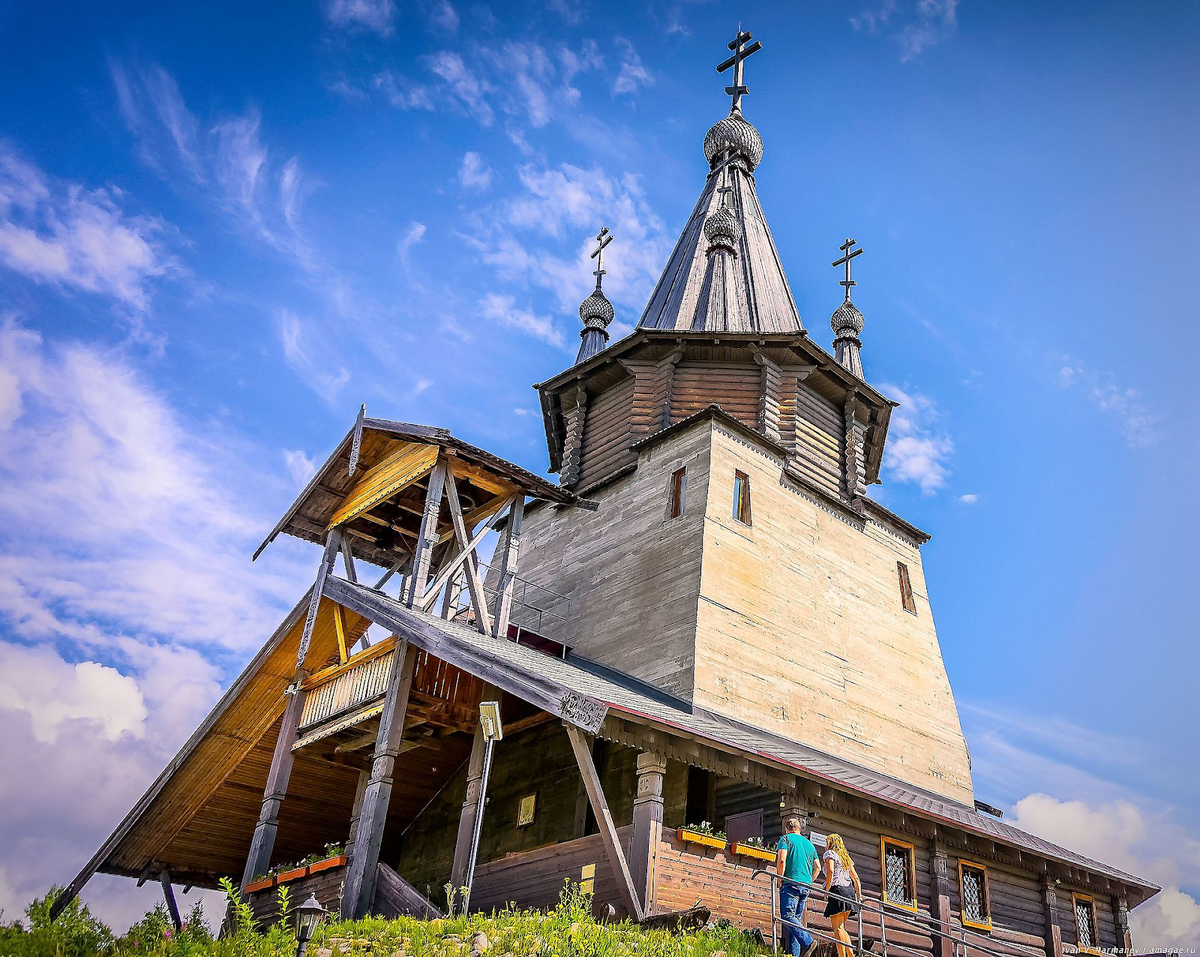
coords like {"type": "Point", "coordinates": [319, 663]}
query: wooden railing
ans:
{"type": "Point", "coordinates": [342, 688]}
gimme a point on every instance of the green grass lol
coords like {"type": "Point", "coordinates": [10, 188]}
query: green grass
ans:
{"type": "Point", "coordinates": [569, 930]}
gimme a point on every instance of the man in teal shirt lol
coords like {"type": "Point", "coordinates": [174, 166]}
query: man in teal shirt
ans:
{"type": "Point", "coordinates": [798, 865]}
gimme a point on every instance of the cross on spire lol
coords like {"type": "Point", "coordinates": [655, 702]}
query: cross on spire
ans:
{"type": "Point", "coordinates": [724, 192]}
{"type": "Point", "coordinates": [740, 52]}
{"type": "Point", "coordinates": [603, 238]}
{"type": "Point", "coordinates": [845, 261]}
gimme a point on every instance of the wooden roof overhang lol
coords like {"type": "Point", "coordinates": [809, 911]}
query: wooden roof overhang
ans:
{"type": "Point", "coordinates": [379, 505]}
{"type": "Point", "coordinates": [830, 377]}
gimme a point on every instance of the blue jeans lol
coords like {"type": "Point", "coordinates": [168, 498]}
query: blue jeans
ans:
{"type": "Point", "coordinates": [796, 939]}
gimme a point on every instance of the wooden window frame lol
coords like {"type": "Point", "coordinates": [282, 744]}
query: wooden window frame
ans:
{"type": "Point", "coordinates": [678, 493]}
{"type": "Point", "coordinates": [1095, 928]}
{"type": "Point", "coordinates": [907, 599]}
{"type": "Point", "coordinates": [987, 896]}
{"type": "Point", "coordinates": [741, 499]}
{"type": "Point", "coordinates": [884, 843]}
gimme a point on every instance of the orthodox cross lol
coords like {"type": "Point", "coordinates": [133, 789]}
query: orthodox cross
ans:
{"type": "Point", "coordinates": [740, 52]}
{"type": "Point", "coordinates": [603, 238]}
{"type": "Point", "coordinates": [845, 261]}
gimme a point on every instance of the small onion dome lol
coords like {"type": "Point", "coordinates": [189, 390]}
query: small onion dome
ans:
{"type": "Point", "coordinates": [734, 133]}
{"type": "Point", "coordinates": [847, 321]}
{"type": "Point", "coordinates": [596, 311]}
{"type": "Point", "coordinates": [722, 230]}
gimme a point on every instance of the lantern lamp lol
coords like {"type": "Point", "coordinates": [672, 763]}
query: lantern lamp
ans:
{"type": "Point", "coordinates": [308, 915]}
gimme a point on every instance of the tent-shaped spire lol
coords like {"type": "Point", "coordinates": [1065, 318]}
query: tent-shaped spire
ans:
{"type": "Point", "coordinates": [754, 295]}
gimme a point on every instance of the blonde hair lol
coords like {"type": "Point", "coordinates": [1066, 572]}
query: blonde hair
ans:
{"type": "Point", "coordinates": [835, 843]}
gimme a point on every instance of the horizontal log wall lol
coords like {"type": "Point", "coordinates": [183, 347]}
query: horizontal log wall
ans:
{"type": "Point", "coordinates": [606, 432]}
{"type": "Point", "coordinates": [326, 885]}
{"type": "Point", "coordinates": [1015, 903]}
{"type": "Point", "coordinates": [536, 878]}
{"type": "Point", "coordinates": [735, 388]}
{"type": "Point", "coordinates": [819, 438]}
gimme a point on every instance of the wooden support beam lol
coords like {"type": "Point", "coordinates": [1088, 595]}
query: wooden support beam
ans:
{"type": "Point", "coordinates": [470, 808]}
{"type": "Point", "coordinates": [423, 553]}
{"type": "Point", "coordinates": [471, 565]}
{"type": "Point", "coordinates": [164, 878]}
{"type": "Point", "coordinates": [508, 566]}
{"type": "Point", "coordinates": [258, 861]}
{"type": "Point", "coordinates": [364, 778]}
{"type": "Point", "coordinates": [359, 891]}
{"type": "Point", "coordinates": [347, 557]}
{"type": "Point", "coordinates": [647, 825]}
{"type": "Point", "coordinates": [1120, 908]}
{"type": "Point", "coordinates": [1053, 933]}
{"type": "Point", "coordinates": [608, 830]}
{"type": "Point", "coordinates": [339, 624]}
{"type": "Point", "coordinates": [461, 554]}
{"type": "Point", "coordinates": [314, 600]}
{"type": "Point", "coordinates": [939, 903]}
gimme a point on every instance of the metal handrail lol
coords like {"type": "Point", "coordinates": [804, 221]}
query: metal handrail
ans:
{"type": "Point", "coordinates": [960, 937]}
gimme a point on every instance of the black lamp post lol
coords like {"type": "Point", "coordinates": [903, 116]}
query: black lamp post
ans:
{"type": "Point", "coordinates": [308, 915]}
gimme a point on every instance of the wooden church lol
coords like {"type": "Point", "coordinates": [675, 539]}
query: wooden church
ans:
{"type": "Point", "coordinates": [706, 622]}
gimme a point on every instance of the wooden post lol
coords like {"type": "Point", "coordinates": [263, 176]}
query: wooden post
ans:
{"type": "Point", "coordinates": [608, 830]}
{"type": "Point", "coordinates": [258, 861]}
{"type": "Point", "coordinates": [314, 599]}
{"type": "Point", "coordinates": [471, 565]}
{"type": "Point", "coordinates": [427, 536]}
{"type": "Point", "coordinates": [359, 890]}
{"type": "Point", "coordinates": [647, 825]}
{"type": "Point", "coordinates": [1053, 934]}
{"type": "Point", "coordinates": [164, 878]}
{"type": "Point", "coordinates": [364, 778]}
{"type": "Point", "coordinates": [470, 808]}
{"type": "Point", "coordinates": [939, 871]}
{"type": "Point", "coordinates": [1120, 907]}
{"type": "Point", "coordinates": [508, 567]}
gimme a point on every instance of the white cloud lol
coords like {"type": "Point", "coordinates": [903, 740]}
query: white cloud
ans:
{"type": "Point", "coordinates": [52, 692]}
{"type": "Point", "coordinates": [633, 73]}
{"type": "Point", "coordinates": [404, 245]}
{"type": "Point", "coordinates": [377, 16]}
{"type": "Point", "coordinates": [1139, 425]}
{"type": "Point", "coordinates": [916, 451]}
{"type": "Point", "coordinates": [523, 236]}
{"type": "Point", "coordinates": [125, 582]}
{"type": "Point", "coordinates": [503, 309]}
{"type": "Point", "coordinates": [67, 235]}
{"type": "Point", "coordinates": [474, 173]}
{"type": "Point", "coordinates": [969, 498]}
{"type": "Point", "coordinates": [1122, 834]}
{"type": "Point", "coordinates": [299, 465]}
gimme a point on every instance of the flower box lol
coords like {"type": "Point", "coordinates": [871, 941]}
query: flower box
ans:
{"type": "Point", "coordinates": [758, 853]}
{"type": "Point", "coordinates": [704, 840]}
{"type": "Point", "coordinates": [328, 863]}
{"type": "Point", "coordinates": [262, 884]}
{"type": "Point", "coordinates": [294, 874]}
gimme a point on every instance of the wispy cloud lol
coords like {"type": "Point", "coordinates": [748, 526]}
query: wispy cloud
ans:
{"type": "Point", "coordinates": [377, 16]}
{"type": "Point", "coordinates": [917, 451]}
{"type": "Point", "coordinates": [474, 173]}
{"type": "Point", "coordinates": [310, 363]}
{"type": "Point", "coordinates": [1138, 423]}
{"type": "Point", "coordinates": [919, 25]}
{"type": "Point", "coordinates": [67, 235]}
{"type": "Point", "coordinates": [968, 498]}
{"type": "Point", "coordinates": [443, 16]}
{"type": "Point", "coordinates": [299, 465]}
{"type": "Point", "coordinates": [633, 73]}
{"type": "Point", "coordinates": [504, 310]}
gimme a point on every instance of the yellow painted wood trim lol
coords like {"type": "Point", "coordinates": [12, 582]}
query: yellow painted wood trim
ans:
{"type": "Point", "coordinates": [328, 674]}
{"type": "Point", "coordinates": [401, 468]}
{"type": "Point", "coordinates": [477, 475]}
{"type": "Point", "coordinates": [912, 872]}
{"type": "Point", "coordinates": [339, 623]}
{"type": "Point", "coordinates": [1095, 922]}
{"type": "Point", "coordinates": [987, 896]}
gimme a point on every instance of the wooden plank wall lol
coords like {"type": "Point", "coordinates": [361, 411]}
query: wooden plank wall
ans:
{"type": "Point", "coordinates": [327, 886]}
{"type": "Point", "coordinates": [802, 631]}
{"type": "Point", "coordinates": [606, 431]}
{"type": "Point", "coordinates": [1015, 899]}
{"type": "Point", "coordinates": [629, 569]}
{"type": "Point", "coordinates": [536, 878]}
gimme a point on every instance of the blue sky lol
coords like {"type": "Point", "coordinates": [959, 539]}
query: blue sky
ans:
{"type": "Point", "coordinates": [221, 229]}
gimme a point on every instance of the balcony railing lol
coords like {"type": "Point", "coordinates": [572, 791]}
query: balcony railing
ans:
{"type": "Point", "coordinates": [340, 690]}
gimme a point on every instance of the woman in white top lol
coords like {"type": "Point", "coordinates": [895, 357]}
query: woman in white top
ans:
{"type": "Point", "coordinates": [841, 881]}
